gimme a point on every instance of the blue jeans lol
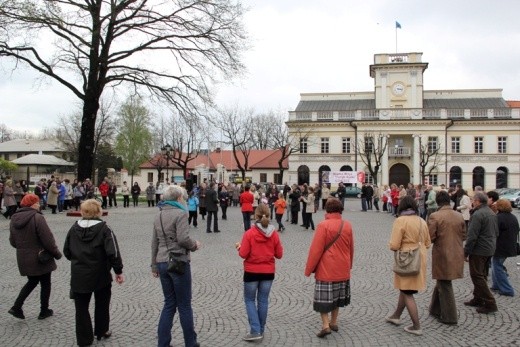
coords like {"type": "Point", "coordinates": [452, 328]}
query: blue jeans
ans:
{"type": "Point", "coordinates": [499, 277]}
{"type": "Point", "coordinates": [177, 295]}
{"type": "Point", "coordinates": [364, 204]}
{"type": "Point", "coordinates": [257, 313]}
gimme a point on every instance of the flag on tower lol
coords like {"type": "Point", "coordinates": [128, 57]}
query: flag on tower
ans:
{"type": "Point", "coordinates": [397, 25]}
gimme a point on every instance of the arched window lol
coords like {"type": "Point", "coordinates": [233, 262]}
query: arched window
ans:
{"type": "Point", "coordinates": [501, 177]}
{"type": "Point", "coordinates": [399, 174]}
{"type": "Point", "coordinates": [478, 177]}
{"type": "Point", "coordinates": [321, 170]}
{"type": "Point", "coordinates": [303, 174]}
{"type": "Point", "coordinates": [455, 176]}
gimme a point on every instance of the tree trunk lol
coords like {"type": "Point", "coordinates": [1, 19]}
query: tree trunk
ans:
{"type": "Point", "coordinates": [87, 140]}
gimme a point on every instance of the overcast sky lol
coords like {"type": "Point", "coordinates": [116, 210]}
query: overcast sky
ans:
{"type": "Point", "coordinates": [301, 46]}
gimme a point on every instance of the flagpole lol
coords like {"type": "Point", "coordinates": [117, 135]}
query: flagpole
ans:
{"type": "Point", "coordinates": [396, 39]}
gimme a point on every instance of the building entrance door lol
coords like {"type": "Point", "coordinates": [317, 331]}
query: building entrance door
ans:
{"type": "Point", "coordinates": [399, 174]}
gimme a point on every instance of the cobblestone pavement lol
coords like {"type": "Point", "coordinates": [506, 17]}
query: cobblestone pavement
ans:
{"type": "Point", "coordinates": [220, 316]}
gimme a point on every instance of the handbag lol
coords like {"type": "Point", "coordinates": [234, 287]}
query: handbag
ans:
{"type": "Point", "coordinates": [176, 263]}
{"type": "Point", "coordinates": [408, 263]}
{"type": "Point", "coordinates": [44, 257]}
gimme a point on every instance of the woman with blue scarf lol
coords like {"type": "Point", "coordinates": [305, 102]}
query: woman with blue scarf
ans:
{"type": "Point", "coordinates": [171, 233]}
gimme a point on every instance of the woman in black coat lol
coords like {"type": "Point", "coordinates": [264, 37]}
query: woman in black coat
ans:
{"type": "Point", "coordinates": [505, 247]}
{"type": "Point", "coordinates": [136, 190]}
{"type": "Point", "coordinates": [92, 249]}
{"type": "Point", "coordinates": [295, 195]}
{"type": "Point", "coordinates": [29, 234]}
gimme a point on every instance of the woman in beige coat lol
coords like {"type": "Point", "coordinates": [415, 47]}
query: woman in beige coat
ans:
{"type": "Point", "coordinates": [464, 205]}
{"type": "Point", "coordinates": [325, 195]}
{"type": "Point", "coordinates": [52, 197]}
{"type": "Point", "coordinates": [409, 232]}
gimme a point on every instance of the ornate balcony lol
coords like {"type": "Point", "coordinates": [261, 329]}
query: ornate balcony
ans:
{"type": "Point", "coordinates": [403, 113]}
{"type": "Point", "coordinates": [399, 152]}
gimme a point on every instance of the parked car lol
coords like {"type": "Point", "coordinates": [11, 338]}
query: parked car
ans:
{"type": "Point", "coordinates": [517, 202]}
{"type": "Point", "coordinates": [352, 191]}
{"type": "Point", "coordinates": [512, 196]}
{"type": "Point", "coordinates": [503, 191]}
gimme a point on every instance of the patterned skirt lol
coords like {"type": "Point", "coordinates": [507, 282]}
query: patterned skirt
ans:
{"type": "Point", "coordinates": [330, 295]}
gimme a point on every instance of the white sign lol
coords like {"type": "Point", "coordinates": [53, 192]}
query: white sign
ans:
{"type": "Point", "coordinates": [343, 176]}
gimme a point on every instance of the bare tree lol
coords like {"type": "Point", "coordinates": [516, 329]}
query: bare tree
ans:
{"type": "Point", "coordinates": [6, 134]}
{"type": "Point", "coordinates": [429, 157]}
{"type": "Point", "coordinates": [371, 149]}
{"type": "Point", "coordinates": [262, 128]}
{"type": "Point", "coordinates": [68, 130]}
{"type": "Point", "coordinates": [187, 139]}
{"type": "Point", "coordinates": [235, 124]}
{"type": "Point", "coordinates": [287, 140]}
{"type": "Point", "coordinates": [172, 49]}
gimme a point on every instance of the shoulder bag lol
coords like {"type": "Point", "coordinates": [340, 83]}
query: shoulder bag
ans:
{"type": "Point", "coordinates": [176, 263]}
{"type": "Point", "coordinates": [332, 242]}
{"type": "Point", "coordinates": [408, 263]}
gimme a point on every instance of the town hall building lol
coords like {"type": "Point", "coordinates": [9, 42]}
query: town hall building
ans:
{"type": "Point", "coordinates": [409, 134]}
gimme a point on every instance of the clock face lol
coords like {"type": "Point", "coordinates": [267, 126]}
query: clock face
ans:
{"type": "Point", "coordinates": [398, 88]}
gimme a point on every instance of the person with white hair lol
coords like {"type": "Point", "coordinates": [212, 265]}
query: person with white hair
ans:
{"type": "Point", "coordinates": [171, 234]}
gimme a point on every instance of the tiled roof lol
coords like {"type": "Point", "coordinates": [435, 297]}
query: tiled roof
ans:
{"type": "Point", "coordinates": [513, 103]}
{"type": "Point", "coordinates": [369, 104]}
{"type": "Point", "coordinates": [335, 105]}
{"type": "Point", "coordinates": [258, 159]}
{"type": "Point", "coordinates": [158, 160]}
{"type": "Point", "coordinates": [465, 103]}
{"type": "Point", "coordinates": [30, 145]}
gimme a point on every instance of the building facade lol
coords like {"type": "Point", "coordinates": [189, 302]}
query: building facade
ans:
{"type": "Point", "coordinates": [219, 165]}
{"type": "Point", "coordinates": [401, 133]}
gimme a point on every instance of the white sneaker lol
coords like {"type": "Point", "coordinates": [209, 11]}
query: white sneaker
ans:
{"type": "Point", "coordinates": [252, 337]}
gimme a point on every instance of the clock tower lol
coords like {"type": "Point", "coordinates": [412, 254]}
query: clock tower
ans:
{"type": "Point", "coordinates": [398, 80]}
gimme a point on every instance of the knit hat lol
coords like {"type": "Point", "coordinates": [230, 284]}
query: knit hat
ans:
{"type": "Point", "coordinates": [29, 200]}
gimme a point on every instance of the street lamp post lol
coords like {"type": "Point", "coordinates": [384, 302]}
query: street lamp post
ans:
{"type": "Point", "coordinates": [167, 152]}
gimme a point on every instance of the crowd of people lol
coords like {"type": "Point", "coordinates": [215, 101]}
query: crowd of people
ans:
{"type": "Point", "coordinates": [479, 230]}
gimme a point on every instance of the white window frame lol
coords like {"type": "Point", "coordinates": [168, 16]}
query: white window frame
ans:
{"type": "Point", "coordinates": [478, 144]}
{"type": "Point", "coordinates": [304, 146]}
{"type": "Point", "coordinates": [455, 144]}
{"type": "Point", "coordinates": [502, 144]}
{"type": "Point", "coordinates": [346, 145]}
{"type": "Point", "coordinates": [433, 143]}
{"type": "Point", "coordinates": [325, 145]}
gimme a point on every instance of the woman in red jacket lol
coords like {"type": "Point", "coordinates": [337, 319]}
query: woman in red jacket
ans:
{"type": "Point", "coordinates": [259, 248]}
{"type": "Point", "coordinates": [330, 259]}
{"type": "Point", "coordinates": [246, 203]}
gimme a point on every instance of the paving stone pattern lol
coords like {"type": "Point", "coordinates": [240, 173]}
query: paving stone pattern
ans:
{"type": "Point", "coordinates": [218, 306]}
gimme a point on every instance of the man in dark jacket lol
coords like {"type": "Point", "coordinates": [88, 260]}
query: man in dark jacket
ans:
{"type": "Point", "coordinates": [341, 193]}
{"type": "Point", "coordinates": [364, 197]}
{"type": "Point", "coordinates": [480, 246]}
{"type": "Point", "coordinates": [211, 200]}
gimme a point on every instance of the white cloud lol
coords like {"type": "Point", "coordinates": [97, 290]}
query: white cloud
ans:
{"type": "Point", "coordinates": [327, 46]}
